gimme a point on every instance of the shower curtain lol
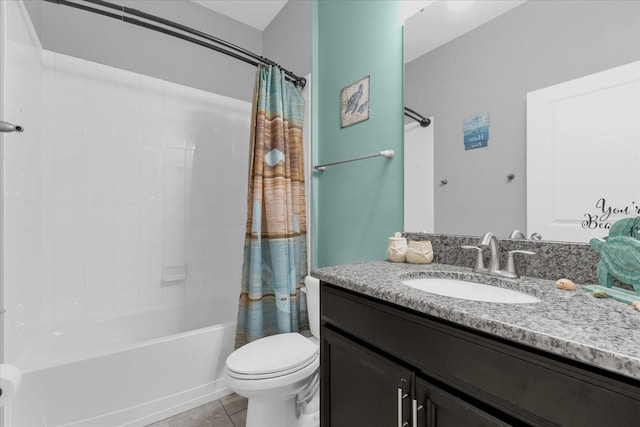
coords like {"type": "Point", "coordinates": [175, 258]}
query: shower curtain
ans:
{"type": "Point", "coordinates": [275, 248]}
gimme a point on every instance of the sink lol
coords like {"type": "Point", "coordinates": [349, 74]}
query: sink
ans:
{"type": "Point", "coordinates": [469, 290]}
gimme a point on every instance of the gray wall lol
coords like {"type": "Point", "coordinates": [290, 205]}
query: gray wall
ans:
{"type": "Point", "coordinates": [491, 69]}
{"type": "Point", "coordinates": [287, 39]}
{"type": "Point", "coordinates": [107, 41]}
{"type": "Point", "coordinates": [35, 13]}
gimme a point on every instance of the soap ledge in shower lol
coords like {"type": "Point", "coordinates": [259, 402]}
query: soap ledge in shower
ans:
{"type": "Point", "coordinates": [175, 273]}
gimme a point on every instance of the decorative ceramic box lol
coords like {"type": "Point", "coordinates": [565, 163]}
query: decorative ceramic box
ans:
{"type": "Point", "coordinates": [419, 252]}
{"type": "Point", "coordinates": [397, 249]}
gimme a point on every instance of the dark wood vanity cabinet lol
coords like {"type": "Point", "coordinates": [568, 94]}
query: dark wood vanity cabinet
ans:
{"type": "Point", "coordinates": [441, 408]}
{"type": "Point", "coordinates": [382, 365]}
{"type": "Point", "coordinates": [364, 386]}
{"type": "Point", "coordinates": [368, 389]}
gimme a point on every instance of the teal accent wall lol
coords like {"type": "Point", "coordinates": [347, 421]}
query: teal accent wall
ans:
{"type": "Point", "coordinates": [358, 205]}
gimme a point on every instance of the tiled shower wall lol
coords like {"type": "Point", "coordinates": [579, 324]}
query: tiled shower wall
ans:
{"type": "Point", "coordinates": [139, 175]}
{"type": "Point", "coordinates": [116, 176]}
{"type": "Point", "coordinates": [21, 179]}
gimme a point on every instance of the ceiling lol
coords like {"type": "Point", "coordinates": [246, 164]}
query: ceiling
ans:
{"type": "Point", "coordinates": [256, 13]}
{"type": "Point", "coordinates": [435, 23]}
{"type": "Point", "coordinates": [438, 23]}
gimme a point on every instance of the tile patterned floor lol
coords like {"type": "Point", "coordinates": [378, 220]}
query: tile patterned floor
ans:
{"type": "Point", "coordinates": [230, 411]}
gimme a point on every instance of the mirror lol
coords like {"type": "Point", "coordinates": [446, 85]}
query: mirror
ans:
{"type": "Point", "coordinates": [489, 66]}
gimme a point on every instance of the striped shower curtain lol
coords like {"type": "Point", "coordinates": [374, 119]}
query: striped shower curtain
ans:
{"type": "Point", "coordinates": [275, 248]}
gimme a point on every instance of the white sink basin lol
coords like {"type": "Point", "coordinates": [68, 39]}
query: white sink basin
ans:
{"type": "Point", "coordinates": [469, 290]}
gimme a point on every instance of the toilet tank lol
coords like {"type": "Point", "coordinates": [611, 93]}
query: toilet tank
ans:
{"type": "Point", "coordinates": [313, 304]}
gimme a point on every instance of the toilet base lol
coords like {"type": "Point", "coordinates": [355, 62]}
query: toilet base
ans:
{"type": "Point", "coordinates": [272, 401]}
{"type": "Point", "coordinates": [278, 412]}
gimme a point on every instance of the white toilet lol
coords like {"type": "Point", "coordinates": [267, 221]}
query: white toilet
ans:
{"type": "Point", "coordinates": [271, 371]}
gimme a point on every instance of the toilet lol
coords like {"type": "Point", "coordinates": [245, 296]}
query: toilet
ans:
{"type": "Point", "coordinates": [271, 371]}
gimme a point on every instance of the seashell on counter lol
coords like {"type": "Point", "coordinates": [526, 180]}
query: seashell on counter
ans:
{"type": "Point", "coordinates": [599, 293]}
{"type": "Point", "coordinates": [565, 284]}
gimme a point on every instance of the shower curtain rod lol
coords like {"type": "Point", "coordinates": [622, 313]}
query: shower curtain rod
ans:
{"type": "Point", "coordinates": [424, 122]}
{"type": "Point", "coordinates": [220, 45]}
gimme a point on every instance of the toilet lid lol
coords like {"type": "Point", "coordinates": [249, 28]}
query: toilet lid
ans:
{"type": "Point", "coordinates": [272, 356]}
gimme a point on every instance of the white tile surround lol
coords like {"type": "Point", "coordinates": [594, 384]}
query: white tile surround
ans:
{"type": "Point", "coordinates": [139, 174]}
{"type": "Point", "coordinates": [21, 179]}
{"type": "Point", "coordinates": [131, 174]}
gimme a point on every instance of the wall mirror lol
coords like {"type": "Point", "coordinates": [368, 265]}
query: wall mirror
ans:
{"type": "Point", "coordinates": [486, 59]}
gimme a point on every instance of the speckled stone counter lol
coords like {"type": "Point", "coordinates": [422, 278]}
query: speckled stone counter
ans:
{"type": "Point", "coordinates": [573, 324]}
{"type": "Point", "coordinates": [553, 260]}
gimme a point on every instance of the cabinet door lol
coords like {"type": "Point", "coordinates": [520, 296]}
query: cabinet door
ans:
{"type": "Point", "coordinates": [360, 387]}
{"type": "Point", "coordinates": [442, 409]}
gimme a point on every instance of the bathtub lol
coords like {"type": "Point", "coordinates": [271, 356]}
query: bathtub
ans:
{"type": "Point", "coordinates": [126, 371]}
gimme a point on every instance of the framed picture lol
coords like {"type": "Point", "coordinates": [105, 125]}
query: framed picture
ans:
{"type": "Point", "coordinates": [354, 102]}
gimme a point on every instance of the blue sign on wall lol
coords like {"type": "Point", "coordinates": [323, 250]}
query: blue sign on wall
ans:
{"type": "Point", "coordinates": [476, 131]}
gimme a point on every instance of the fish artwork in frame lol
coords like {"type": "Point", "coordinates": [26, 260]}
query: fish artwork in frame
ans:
{"type": "Point", "coordinates": [354, 102]}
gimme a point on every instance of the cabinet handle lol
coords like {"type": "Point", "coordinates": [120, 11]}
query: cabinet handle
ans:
{"type": "Point", "coordinates": [414, 412]}
{"type": "Point", "coordinates": [400, 396]}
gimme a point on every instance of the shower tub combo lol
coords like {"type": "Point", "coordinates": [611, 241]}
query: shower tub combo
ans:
{"type": "Point", "coordinates": [123, 175]}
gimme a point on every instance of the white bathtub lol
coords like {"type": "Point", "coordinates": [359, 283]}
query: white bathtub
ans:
{"type": "Point", "coordinates": [126, 371]}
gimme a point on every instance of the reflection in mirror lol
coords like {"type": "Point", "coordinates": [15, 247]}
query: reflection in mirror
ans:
{"type": "Point", "coordinates": [593, 179]}
{"type": "Point", "coordinates": [482, 62]}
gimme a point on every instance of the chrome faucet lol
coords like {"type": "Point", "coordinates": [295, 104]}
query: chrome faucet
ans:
{"type": "Point", "coordinates": [494, 261]}
{"type": "Point", "coordinates": [489, 240]}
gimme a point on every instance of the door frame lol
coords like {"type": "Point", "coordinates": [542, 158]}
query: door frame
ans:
{"type": "Point", "coordinates": [419, 179]}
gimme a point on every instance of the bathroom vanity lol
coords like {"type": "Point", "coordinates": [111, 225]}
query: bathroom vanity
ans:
{"type": "Point", "coordinates": [392, 355]}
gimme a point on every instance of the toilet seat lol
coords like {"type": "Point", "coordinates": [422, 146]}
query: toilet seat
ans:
{"type": "Point", "coordinates": [272, 357]}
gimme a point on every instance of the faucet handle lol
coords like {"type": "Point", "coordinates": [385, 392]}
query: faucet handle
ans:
{"type": "Point", "coordinates": [517, 234]}
{"type": "Point", "coordinates": [511, 265]}
{"type": "Point", "coordinates": [479, 267]}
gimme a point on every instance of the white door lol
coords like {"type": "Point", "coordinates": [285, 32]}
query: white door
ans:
{"type": "Point", "coordinates": [418, 177]}
{"type": "Point", "coordinates": [583, 155]}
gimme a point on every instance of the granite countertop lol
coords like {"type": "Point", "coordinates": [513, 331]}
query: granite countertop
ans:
{"type": "Point", "coordinates": [573, 324]}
